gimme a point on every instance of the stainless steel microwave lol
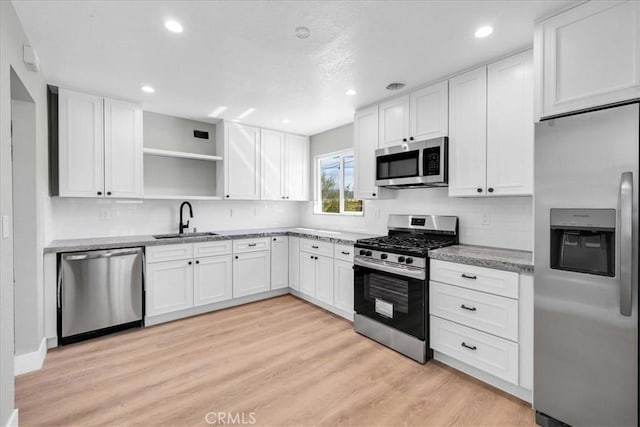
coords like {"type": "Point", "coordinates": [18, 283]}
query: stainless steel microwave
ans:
{"type": "Point", "coordinates": [414, 164]}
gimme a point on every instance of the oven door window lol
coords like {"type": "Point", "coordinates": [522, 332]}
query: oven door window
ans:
{"type": "Point", "coordinates": [401, 165]}
{"type": "Point", "coordinates": [394, 300]}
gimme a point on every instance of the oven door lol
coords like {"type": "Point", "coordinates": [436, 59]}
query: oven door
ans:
{"type": "Point", "coordinates": [392, 299]}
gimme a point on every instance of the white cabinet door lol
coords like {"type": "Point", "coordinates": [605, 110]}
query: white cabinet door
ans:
{"type": "Point", "coordinates": [308, 273]}
{"type": "Point", "coordinates": [365, 143]}
{"type": "Point", "coordinates": [343, 285]}
{"type": "Point", "coordinates": [279, 262]}
{"type": "Point", "coordinates": [296, 181]}
{"type": "Point", "coordinates": [242, 162]}
{"type": "Point", "coordinates": [212, 280]}
{"type": "Point", "coordinates": [251, 273]}
{"type": "Point", "coordinates": [294, 262]}
{"type": "Point", "coordinates": [430, 112]}
{"type": "Point", "coordinates": [394, 122]}
{"type": "Point", "coordinates": [468, 133]}
{"type": "Point", "coordinates": [169, 287]}
{"type": "Point", "coordinates": [122, 149]}
{"type": "Point", "coordinates": [588, 56]}
{"type": "Point", "coordinates": [510, 126]}
{"type": "Point", "coordinates": [324, 279]}
{"type": "Point", "coordinates": [80, 145]}
{"type": "Point", "coordinates": [273, 164]}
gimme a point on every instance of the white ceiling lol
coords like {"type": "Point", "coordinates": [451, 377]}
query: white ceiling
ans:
{"type": "Point", "coordinates": [244, 54]}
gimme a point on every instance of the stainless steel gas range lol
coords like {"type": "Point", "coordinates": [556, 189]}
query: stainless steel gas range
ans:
{"type": "Point", "coordinates": [391, 282]}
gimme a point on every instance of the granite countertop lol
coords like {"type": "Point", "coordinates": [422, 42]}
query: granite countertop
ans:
{"type": "Point", "coordinates": [73, 245]}
{"type": "Point", "coordinates": [484, 256]}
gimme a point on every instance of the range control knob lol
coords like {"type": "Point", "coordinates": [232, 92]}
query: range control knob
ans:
{"type": "Point", "coordinates": [383, 256]}
{"type": "Point", "coordinates": [362, 252]}
{"type": "Point", "coordinates": [400, 259]}
{"type": "Point", "coordinates": [409, 261]}
{"type": "Point", "coordinates": [368, 253]}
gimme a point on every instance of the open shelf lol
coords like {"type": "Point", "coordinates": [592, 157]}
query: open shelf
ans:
{"type": "Point", "coordinates": [181, 154]}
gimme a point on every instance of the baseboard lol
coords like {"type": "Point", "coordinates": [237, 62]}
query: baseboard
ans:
{"type": "Point", "coordinates": [321, 304]}
{"type": "Point", "coordinates": [168, 317]}
{"type": "Point", "coordinates": [517, 391]}
{"type": "Point", "coordinates": [30, 362]}
{"type": "Point", "coordinates": [13, 419]}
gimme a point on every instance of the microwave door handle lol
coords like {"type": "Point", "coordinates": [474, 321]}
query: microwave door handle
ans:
{"type": "Point", "coordinates": [421, 163]}
{"type": "Point", "coordinates": [626, 242]}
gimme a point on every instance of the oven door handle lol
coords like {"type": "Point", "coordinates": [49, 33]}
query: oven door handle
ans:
{"type": "Point", "coordinates": [413, 273]}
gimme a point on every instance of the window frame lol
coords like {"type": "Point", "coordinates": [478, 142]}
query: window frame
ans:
{"type": "Point", "coordinates": [317, 184]}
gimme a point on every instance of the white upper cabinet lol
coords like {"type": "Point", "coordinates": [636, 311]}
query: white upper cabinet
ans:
{"type": "Point", "coordinates": [80, 144]}
{"type": "Point", "coordinates": [588, 56]}
{"type": "Point", "coordinates": [510, 126]}
{"type": "Point", "coordinates": [365, 144]}
{"type": "Point", "coordinates": [429, 112]}
{"type": "Point", "coordinates": [468, 133]}
{"type": "Point", "coordinates": [491, 130]}
{"type": "Point", "coordinates": [99, 146]}
{"type": "Point", "coordinates": [394, 122]}
{"type": "Point", "coordinates": [273, 165]}
{"type": "Point", "coordinates": [296, 176]}
{"type": "Point", "coordinates": [242, 162]}
{"type": "Point", "coordinates": [122, 149]}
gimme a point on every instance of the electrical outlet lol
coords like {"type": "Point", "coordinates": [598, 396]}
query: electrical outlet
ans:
{"type": "Point", "coordinates": [486, 219]}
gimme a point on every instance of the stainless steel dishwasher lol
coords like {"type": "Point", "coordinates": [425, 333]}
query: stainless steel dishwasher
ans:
{"type": "Point", "coordinates": [99, 292]}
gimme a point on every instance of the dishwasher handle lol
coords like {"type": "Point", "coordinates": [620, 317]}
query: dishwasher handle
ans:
{"type": "Point", "coordinates": [101, 254]}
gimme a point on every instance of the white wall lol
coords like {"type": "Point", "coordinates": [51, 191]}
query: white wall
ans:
{"type": "Point", "coordinates": [80, 218]}
{"type": "Point", "coordinates": [510, 219]}
{"type": "Point", "coordinates": [12, 39]}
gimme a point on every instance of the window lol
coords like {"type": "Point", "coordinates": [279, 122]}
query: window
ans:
{"type": "Point", "coordinates": [335, 185]}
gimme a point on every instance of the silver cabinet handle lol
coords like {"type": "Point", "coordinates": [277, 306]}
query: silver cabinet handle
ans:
{"type": "Point", "coordinates": [626, 242]}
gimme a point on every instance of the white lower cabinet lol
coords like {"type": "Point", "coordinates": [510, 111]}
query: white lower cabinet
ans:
{"type": "Point", "coordinates": [481, 322]}
{"type": "Point", "coordinates": [294, 263]}
{"type": "Point", "coordinates": [169, 286]}
{"type": "Point", "coordinates": [324, 279]}
{"type": "Point", "coordinates": [343, 285]}
{"type": "Point", "coordinates": [279, 262]}
{"type": "Point", "coordinates": [307, 274]}
{"type": "Point", "coordinates": [212, 280]}
{"type": "Point", "coordinates": [251, 273]}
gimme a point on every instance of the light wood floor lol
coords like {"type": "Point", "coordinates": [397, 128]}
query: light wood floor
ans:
{"type": "Point", "coordinates": [288, 362]}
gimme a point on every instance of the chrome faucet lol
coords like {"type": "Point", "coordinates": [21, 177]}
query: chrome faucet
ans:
{"type": "Point", "coordinates": [182, 224]}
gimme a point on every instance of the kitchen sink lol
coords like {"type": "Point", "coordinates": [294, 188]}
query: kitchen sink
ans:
{"type": "Point", "coordinates": [183, 235]}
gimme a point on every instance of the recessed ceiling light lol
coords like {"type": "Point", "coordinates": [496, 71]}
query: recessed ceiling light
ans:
{"type": "Point", "coordinates": [303, 32]}
{"type": "Point", "coordinates": [173, 26]}
{"type": "Point", "coordinates": [396, 86]}
{"type": "Point", "coordinates": [148, 89]}
{"type": "Point", "coordinates": [285, 121]}
{"type": "Point", "coordinates": [484, 31]}
{"type": "Point", "coordinates": [350, 92]}
{"type": "Point", "coordinates": [217, 111]}
{"type": "Point", "coordinates": [246, 113]}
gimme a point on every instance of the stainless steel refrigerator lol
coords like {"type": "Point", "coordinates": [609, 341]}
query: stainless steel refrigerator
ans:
{"type": "Point", "coordinates": [586, 268]}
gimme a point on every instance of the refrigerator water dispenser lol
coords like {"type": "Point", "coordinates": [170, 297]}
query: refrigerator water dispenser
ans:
{"type": "Point", "coordinates": [583, 240]}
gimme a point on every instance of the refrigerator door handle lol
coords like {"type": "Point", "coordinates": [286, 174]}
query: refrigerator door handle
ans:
{"type": "Point", "coordinates": [626, 242]}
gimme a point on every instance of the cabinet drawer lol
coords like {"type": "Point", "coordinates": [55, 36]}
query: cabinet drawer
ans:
{"type": "Point", "coordinates": [218, 247]}
{"type": "Point", "coordinates": [317, 247]}
{"type": "Point", "coordinates": [497, 282]}
{"type": "Point", "coordinates": [343, 252]}
{"type": "Point", "coordinates": [491, 354]}
{"type": "Point", "coordinates": [251, 245]}
{"type": "Point", "coordinates": [488, 313]}
{"type": "Point", "coordinates": [169, 252]}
